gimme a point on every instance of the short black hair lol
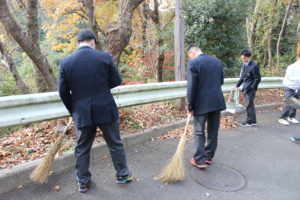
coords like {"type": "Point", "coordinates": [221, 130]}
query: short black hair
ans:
{"type": "Point", "coordinates": [192, 46]}
{"type": "Point", "coordinates": [246, 53]}
{"type": "Point", "coordinates": [86, 35]}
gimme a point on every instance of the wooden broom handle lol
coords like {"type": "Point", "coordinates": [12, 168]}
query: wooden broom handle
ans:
{"type": "Point", "coordinates": [187, 123]}
{"type": "Point", "coordinates": [67, 127]}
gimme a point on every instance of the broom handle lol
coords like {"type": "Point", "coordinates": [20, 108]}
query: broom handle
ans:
{"type": "Point", "coordinates": [67, 127]}
{"type": "Point", "coordinates": [187, 124]}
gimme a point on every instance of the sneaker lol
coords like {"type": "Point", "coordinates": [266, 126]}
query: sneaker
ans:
{"type": "Point", "coordinates": [293, 120]}
{"type": "Point", "coordinates": [254, 124]}
{"type": "Point", "coordinates": [245, 124]}
{"type": "Point", "coordinates": [124, 179]}
{"type": "Point", "coordinates": [83, 187]}
{"type": "Point", "coordinates": [284, 122]}
{"type": "Point", "coordinates": [201, 166]}
{"type": "Point", "coordinates": [296, 139]}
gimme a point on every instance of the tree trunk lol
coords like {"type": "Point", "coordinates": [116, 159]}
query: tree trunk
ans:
{"type": "Point", "coordinates": [119, 37]}
{"type": "Point", "coordinates": [32, 50]}
{"type": "Point", "coordinates": [251, 28]}
{"type": "Point", "coordinates": [160, 63]}
{"type": "Point", "coordinates": [281, 32]}
{"type": "Point", "coordinates": [13, 69]}
{"type": "Point", "coordinates": [33, 33]}
{"type": "Point", "coordinates": [270, 61]}
{"type": "Point", "coordinates": [90, 11]}
{"type": "Point", "coordinates": [298, 31]}
{"type": "Point", "coordinates": [154, 14]}
{"type": "Point", "coordinates": [270, 38]}
{"type": "Point", "coordinates": [144, 22]}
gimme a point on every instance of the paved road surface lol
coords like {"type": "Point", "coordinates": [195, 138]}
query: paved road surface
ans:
{"type": "Point", "coordinates": [264, 155]}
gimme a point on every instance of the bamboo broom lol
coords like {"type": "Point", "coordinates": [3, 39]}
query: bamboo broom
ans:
{"type": "Point", "coordinates": [174, 171]}
{"type": "Point", "coordinates": [41, 172]}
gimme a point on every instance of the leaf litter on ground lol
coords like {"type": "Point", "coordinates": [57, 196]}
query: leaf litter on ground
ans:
{"type": "Point", "coordinates": [33, 141]}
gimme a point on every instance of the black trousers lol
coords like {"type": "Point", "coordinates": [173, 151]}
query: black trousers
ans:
{"type": "Point", "coordinates": [250, 107]}
{"type": "Point", "coordinates": [85, 138]}
{"type": "Point", "coordinates": [289, 111]}
{"type": "Point", "coordinates": [213, 121]}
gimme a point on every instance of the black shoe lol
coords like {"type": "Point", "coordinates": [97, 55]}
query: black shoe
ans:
{"type": "Point", "coordinates": [296, 139]}
{"type": "Point", "coordinates": [124, 179]}
{"type": "Point", "coordinates": [254, 124]}
{"type": "Point", "coordinates": [83, 187]}
{"type": "Point", "coordinates": [246, 124]}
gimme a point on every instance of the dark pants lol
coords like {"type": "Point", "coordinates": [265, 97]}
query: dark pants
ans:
{"type": "Point", "coordinates": [213, 121]}
{"type": "Point", "coordinates": [85, 138]}
{"type": "Point", "coordinates": [289, 111]}
{"type": "Point", "coordinates": [250, 107]}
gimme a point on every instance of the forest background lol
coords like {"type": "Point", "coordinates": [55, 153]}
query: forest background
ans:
{"type": "Point", "coordinates": [139, 34]}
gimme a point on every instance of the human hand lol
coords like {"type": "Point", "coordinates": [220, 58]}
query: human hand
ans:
{"type": "Point", "coordinates": [190, 112]}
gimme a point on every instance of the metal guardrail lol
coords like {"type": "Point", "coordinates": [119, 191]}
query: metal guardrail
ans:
{"type": "Point", "coordinates": [24, 109]}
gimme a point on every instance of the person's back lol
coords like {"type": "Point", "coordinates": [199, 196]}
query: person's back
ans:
{"type": "Point", "coordinates": [91, 75]}
{"type": "Point", "coordinates": [208, 91]}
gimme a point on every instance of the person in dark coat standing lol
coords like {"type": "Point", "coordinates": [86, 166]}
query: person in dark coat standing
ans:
{"type": "Point", "coordinates": [250, 78]}
{"type": "Point", "coordinates": [85, 80]}
{"type": "Point", "coordinates": [205, 102]}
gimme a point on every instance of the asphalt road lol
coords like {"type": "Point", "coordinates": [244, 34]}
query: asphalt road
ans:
{"type": "Point", "coordinates": [265, 156]}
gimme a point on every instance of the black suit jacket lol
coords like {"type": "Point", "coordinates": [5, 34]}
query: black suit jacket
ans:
{"type": "Point", "coordinates": [205, 77]}
{"type": "Point", "coordinates": [250, 77]}
{"type": "Point", "coordinates": [85, 80]}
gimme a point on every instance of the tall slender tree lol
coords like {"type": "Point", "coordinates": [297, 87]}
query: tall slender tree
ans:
{"type": "Point", "coordinates": [282, 30]}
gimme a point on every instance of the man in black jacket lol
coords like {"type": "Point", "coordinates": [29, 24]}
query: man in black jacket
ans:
{"type": "Point", "coordinates": [250, 77]}
{"type": "Point", "coordinates": [85, 80]}
{"type": "Point", "coordinates": [205, 102]}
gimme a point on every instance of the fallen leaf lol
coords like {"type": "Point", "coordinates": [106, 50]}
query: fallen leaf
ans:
{"type": "Point", "coordinates": [57, 188]}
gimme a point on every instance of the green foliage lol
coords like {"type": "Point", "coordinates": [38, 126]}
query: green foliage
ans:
{"type": "Point", "coordinates": [218, 26]}
{"type": "Point", "coordinates": [270, 15]}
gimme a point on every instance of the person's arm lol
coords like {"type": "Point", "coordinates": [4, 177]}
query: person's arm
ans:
{"type": "Point", "coordinates": [257, 77]}
{"type": "Point", "coordinates": [114, 75]}
{"type": "Point", "coordinates": [64, 89]}
{"type": "Point", "coordinates": [192, 85]}
{"type": "Point", "coordinates": [241, 80]}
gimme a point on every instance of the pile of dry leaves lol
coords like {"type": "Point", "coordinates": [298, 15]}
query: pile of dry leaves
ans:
{"type": "Point", "coordinates": [226, 123]}
{"type": "Point", "coordinates": [35, 140]}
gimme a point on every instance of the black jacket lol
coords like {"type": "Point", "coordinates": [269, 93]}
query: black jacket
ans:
{"type": "Point", "coordinates": [85, 80]}
{"type": "Point", "coordinates": [250, 77]}
{"type": "Point", "coordinates": [205, 77]}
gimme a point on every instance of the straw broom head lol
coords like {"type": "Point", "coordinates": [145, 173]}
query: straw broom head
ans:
{"type": "Point", "coordinates": [174, 171]}
{"type": "Point", "coordinates": [41, 172]}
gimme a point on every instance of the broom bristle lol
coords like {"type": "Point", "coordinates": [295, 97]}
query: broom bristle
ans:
{"type": "Point", "coordinates": [41, 172]}
{"type": "Point", "coordinates": [174, 171]}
